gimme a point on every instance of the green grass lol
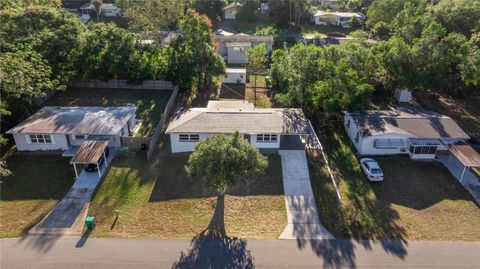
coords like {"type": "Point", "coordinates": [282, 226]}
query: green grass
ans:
{"type": "Point", "coordinates": [35, 186]}
{"type": "Point", "coordinates": [157, 200]}
{"type": "Point", "coordinates": [150, 103]}
{"type": "Point", "coordinates": [416, 201]}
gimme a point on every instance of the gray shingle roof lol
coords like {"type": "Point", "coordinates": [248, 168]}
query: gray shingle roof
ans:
{"type": "Point", "coordinates": [408, 121]}
{"type": "Point", "coordinates": [76, 120]}
{"type": "Point", "coordinates": [242, 38]}
{"type": "Point", "coordinates": [224, 118]}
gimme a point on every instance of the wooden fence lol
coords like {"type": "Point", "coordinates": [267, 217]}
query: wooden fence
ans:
{"type": "Point", "coordinates": [161, 124]}
{"type": "Point", "coordinates": [123, 84]}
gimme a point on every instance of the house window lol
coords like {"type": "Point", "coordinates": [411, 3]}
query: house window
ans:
{"type": "Point", "coordinates": [266, 138]}
{"type": "Point", "coordinates": [357, 138]}
{"type": "Point", "coordinates": [348, 124]}
{"type": "Point", "coordinates": [79, 137]}
{"type": "Point", "coordinates": [41, 139]}
{"type": "Point", "coordinates": [189, 137]}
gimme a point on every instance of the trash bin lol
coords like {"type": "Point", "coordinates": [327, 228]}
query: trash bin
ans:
{"type": "Point", "coordinates": [90, 222]}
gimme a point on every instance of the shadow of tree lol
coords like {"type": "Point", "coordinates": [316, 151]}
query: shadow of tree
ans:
{"type": "Point", "coordinates": [212, 248]}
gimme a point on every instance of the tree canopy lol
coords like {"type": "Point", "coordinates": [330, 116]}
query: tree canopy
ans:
{"type": "Point", "coordinates": [224, 160]}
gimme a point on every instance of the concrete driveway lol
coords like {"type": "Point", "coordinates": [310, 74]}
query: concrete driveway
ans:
{"type": "Point", "coordinates": [302, 215]}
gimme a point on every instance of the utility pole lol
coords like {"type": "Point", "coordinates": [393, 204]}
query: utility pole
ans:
{"type": "Point", "coordinates": [255, 89]}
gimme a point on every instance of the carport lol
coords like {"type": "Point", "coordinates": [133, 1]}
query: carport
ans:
{"type": "Point", "coordinates": [90, 152]}
{"type": "Point", "coordinates": [466, 155]}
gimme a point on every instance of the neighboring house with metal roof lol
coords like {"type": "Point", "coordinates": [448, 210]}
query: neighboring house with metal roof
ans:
{"type": "Point", "coordinates": [64, 128]}
{"type": "Point", "coordinates": [336, 18]}
{"type": "Point", "coordinates": [234, 47]}
{"type": "Point", "coordinates": [266, 129]}
{"type": "Point", "coordinates": [107, 9]}
{"type": "Point", "coordinates": [407, 130]}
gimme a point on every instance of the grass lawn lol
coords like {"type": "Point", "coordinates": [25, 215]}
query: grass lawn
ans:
{"type": "Point", "coordinates": [34, 188]}
{"type": "Point", "coordinates": [150, 103]}
{"type": "Point", "coordinates": [263, 98]}
{"type": "Point", "coordinates": [416, 201]}
{"type": "Point", "coordinates": [157, 200]}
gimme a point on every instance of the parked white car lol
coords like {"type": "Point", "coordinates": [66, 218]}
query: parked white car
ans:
{"type": "Point", "coordinates": [371, 169]}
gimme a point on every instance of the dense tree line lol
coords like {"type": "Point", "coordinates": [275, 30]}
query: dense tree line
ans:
{"type": "Point", "coordinates": [422, 50]}
{"type": "Point", "coordinates": [43, 48]}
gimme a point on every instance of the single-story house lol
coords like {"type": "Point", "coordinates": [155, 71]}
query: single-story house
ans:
{"type": "Point", "coordinates": [230, 11]}
{"type": "Point", "coordinates": [264, 7]}
{"type": "Point", "coordinates": [61, 128]}
{"type": "Point", "coordinates": [407, 130]}
{"type": "Point", "coordinates": [235, 75]}
{"type": "Point", "coordinates": [336, 18]}
{"type": "Point", "coordinates": [269, 130]}
{"type": "Point", "coordinates": [234, 47]}
{"type": "Point", "coordinates": [107, 10]}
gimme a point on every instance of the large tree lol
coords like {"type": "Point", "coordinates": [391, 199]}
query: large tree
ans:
{"type": "Point", "coordinates": [148, 16]}
{"type": "Point", "coordinates": [221, 161]}
{"type": "Point", "coordinates": [461, 16]}
{"type": "Point", "coordinates": [192, 56]}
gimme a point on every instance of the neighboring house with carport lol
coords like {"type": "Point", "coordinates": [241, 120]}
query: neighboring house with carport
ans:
{"type": "Point", "coordinates": [406, 130]}
{"type": "Point", "coordinates": [55, 128]}
{"type": "Point", "coordinates": [269, 130]}
{"type": "Point", "coordinates": [234, 47]}
{"type": "Point", "coordinates": [107, 10]}
{"type": "Point", "coordinates": [231, 10]}
{"type": "Point", "coordinates": [336, 18]}
{"type": "Point", "coordinates": [235, 76]}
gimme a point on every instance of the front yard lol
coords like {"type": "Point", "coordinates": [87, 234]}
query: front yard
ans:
{"type": "Point", "coordinates": [38, 182]}
{"type": "Point", "coordinates": [416, 201]}
{"type": "Point", "coordinates": [155, 199]}
{"type": "Point", "coordinates": [150, 103]}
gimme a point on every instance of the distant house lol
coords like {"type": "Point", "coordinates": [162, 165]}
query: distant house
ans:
{"type": "Point", "coordinates": [410, 131]}
{"type": "Point", "coordinates": [108, 10]}
{"type": "Point", "coordinates": [332, 4]}
{"type": "Point", "coordinates": [235, 75]}
{"type": "Point", "coordinates": [61, 128]}
{"type": "Point", "coordinates": [230, 11]}
{"type": "Point", "coordinates": [264, 7]}
{"type": "Point", "coordinates": [269, 130]}
{"type": "Point", "coordinates": [234, 47]}
{"type": "Point", "coordinates": [336, 18]}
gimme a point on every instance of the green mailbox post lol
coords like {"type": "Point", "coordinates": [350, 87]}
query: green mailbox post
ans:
{"type": "Point", "coordinates": [90, 222]}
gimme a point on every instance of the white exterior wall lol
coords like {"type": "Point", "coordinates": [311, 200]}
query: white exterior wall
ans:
{"type": "Point", "coordinates": [240, 78]}
{"type": "Point", "coordinates": [114, 12]}
{"type": "Point", "coordinates": [265, 145]}
{"type": "Point", "coordinates": [75, 142]}
{"type": "Point", "coordinates": [368, 146]}
{"type": "Point", "coordinates": [59, 142]}
{"type": "Point", "coordinates": [230, 14]}
{"type": "Point", "coordinates": [178, 146]}
{"type": "Point", "coordinates": [352, 132]}
{"type": "Point", "coordinates": [237, 55]}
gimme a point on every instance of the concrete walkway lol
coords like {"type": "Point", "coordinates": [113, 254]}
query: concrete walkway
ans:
{"type": "Point", "coordinates": [72, 252]}
{"type": "Point", "coordinates": [68, 215]}
{"type": "Point", "coordinates": [469, 181]}
{"type": "Point", "coordinates": [302, 216]}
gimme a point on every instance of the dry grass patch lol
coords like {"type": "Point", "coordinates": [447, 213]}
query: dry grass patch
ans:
{"type": "Point", "coordinates": [37, 183]}
{"type": "Point", "coordinates": [157, 200]}
{"type": "Point", "coordinates": [416, 201]}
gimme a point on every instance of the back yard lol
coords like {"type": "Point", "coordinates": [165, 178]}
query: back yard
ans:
{"type": "Point", "coordinates": [37, 183]}
{"type": "Point", "coordinates": [416, 201]}
{"type": "Point", "coordinates": [150, 103]}
{"type": "Point", "coordinates": [156, 199]}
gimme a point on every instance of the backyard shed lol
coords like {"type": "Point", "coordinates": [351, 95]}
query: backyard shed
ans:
{"type": "Point", "coordinates": [235, 75]}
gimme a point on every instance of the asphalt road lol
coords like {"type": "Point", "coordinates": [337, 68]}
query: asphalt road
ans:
{"type": "Point", "coordinates": [70, 252]}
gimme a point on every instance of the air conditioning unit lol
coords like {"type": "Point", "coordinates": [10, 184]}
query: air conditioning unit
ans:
{"type": "Point", "coordinates": [403, 95]}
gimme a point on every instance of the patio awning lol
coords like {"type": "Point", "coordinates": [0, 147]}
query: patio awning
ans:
{"type": "Point", "coordinates": [467, 155]}
{"type": "Point", "coordinates": [424, 142]}
{"type": "Point", "coordinates": [90, 152]}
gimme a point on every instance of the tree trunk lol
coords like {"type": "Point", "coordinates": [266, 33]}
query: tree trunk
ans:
{"type": "Point", "coordinates": [216, 228]}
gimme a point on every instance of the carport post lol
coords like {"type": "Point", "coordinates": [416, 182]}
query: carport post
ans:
{"type": "Point", "coordinates": [105, 158]}
{"type": "Point", "coordinates": [75, 168]}
{"type": "Point", "coordinates": [98, 168]}
{"type": "Point", "coordinates": [463, 173]}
